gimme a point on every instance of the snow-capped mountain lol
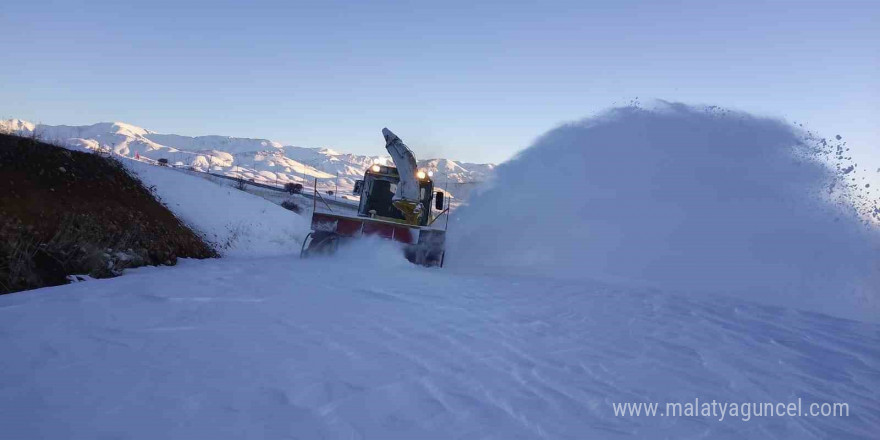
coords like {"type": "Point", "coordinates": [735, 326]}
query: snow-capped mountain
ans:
{"type": "Point", "coordinates": [260, 160]}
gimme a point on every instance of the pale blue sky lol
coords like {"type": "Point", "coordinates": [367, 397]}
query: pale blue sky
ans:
{"type": "Point", "coordinates": [474, 81]}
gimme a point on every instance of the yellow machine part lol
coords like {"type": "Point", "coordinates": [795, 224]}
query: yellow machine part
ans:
{"type": "Point", "coordinates": [411, 211]}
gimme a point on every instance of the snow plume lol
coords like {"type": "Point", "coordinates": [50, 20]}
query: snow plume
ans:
{"type": "Point", "coordinates": [681, 198]}
{"type": "Point", "coordinates": [371, 253]}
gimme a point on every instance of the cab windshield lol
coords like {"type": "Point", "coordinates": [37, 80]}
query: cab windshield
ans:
{"type": "Point", "coordinates": [381, 193]}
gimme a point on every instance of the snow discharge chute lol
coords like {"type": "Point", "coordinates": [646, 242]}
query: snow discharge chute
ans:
{"type": "Point", "coordinates": [681, 198]}
{"type": "Point", "coordinates": [406, 199]}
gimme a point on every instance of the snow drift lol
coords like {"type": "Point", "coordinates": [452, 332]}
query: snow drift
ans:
{"type": "Point", "coordinates": [681, 198]}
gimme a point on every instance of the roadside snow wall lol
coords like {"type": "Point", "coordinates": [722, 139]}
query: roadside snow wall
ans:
{"type": "Point", "coordinates": [681, 198]}
{"type": "Point", "coordinates": [236, 223]}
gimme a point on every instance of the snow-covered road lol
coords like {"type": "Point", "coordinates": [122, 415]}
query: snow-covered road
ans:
{"type": "Point", "coordinates": [287, 348]}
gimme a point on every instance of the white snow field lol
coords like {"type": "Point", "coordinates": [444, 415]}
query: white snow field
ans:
{"type": "Point", "coordinates": [349, 348]}
{"type": "Point", "coordinates": [719, 274]}
{"type": "Point", "coordinates": [235, 222]}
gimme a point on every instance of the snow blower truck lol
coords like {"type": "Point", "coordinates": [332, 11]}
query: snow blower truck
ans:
{"type": "Point", "coordinates": [395, 204]}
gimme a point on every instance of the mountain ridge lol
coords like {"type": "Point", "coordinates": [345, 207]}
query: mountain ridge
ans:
{"type": "Point", "coordinates": [260, 160]}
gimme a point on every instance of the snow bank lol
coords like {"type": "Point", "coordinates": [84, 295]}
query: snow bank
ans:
{"type": "Point", "coordinates": [679, 198]}
{"type": "Point", "coordinates": [237, 223]}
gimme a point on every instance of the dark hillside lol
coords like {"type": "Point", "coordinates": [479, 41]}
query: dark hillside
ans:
{"type": "Point", "coordinates": [64, 212]}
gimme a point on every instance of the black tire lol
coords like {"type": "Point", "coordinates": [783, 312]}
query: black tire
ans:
{"type": "Point", "coordinates": [304, 251]}
{"type": "Point", "coordinates": [322, 243]}
{"type": "Point", "coordinates": [432, 257]}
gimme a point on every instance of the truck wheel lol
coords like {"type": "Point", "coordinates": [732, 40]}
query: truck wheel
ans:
{"type": "Point", "coordinates": [323, 243]}
{"type": "Point", "coordinates": [304, 251]}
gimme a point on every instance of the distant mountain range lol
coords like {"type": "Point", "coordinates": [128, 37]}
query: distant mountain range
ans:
{"type": "Point", "coordinates": [260, 160]}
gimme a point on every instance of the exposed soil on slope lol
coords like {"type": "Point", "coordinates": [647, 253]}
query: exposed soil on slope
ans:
{"type": "Point", "coordinates": [64, 212]}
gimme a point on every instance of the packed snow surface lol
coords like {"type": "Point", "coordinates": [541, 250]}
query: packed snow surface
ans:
{"type": "Point", "coordinates": [683, 198]}
{"type": "Point", "coordinates": [368, 346]}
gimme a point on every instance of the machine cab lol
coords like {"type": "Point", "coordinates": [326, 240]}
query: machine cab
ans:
{"type": "Point", "coordinates": [378, 188]}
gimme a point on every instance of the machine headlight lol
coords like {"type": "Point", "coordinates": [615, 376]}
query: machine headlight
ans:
{"type": "Point", "coordinates": [376, 168]}
{"type": "Point", "coordinates": [421, 175]}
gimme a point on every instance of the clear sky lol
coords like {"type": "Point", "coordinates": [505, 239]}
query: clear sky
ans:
{"type": "Point", "coordinates": [474, 81]}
